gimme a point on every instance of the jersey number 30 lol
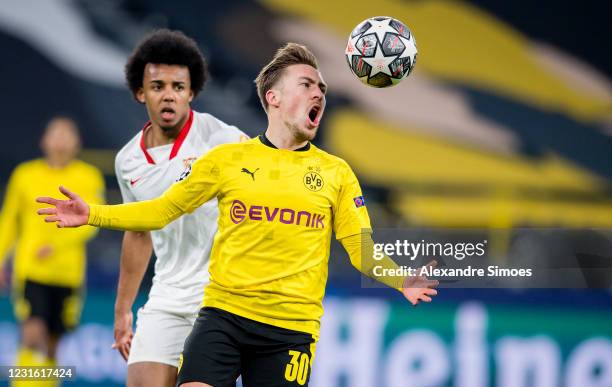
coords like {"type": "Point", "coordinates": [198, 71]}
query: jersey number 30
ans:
{"type": "Point", "coordinates": [297, 369]}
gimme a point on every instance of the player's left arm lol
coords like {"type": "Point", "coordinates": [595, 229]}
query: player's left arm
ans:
{"type": "Point", "coordinates": [360, 249]}
{"type": "Point", "coordinates": [353, 230]}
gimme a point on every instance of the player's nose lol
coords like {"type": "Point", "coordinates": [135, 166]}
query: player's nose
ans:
{"type": "Point", "coordinates": [318, 94]}
{"type": "Point", "coordinates": [169, 95]}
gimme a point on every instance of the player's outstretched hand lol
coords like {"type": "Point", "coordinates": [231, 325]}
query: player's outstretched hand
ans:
{"type": "Point", "coordinates": [73, 212]}
{"type": "Point", "coordinates": [419, 287]}
{"type": "Point", "coordinates": [123, 333]}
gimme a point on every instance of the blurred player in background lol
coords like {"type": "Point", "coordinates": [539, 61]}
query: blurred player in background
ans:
{"type": "Point", "coordinates": [279, 198]}
{"type": "Point", "coordinates": [165, 72]}
{"type": "Point", "coordinates": [48, 266]}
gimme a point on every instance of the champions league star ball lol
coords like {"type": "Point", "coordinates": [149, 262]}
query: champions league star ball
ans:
{"type": "Point", "coordinates": [381, 51]}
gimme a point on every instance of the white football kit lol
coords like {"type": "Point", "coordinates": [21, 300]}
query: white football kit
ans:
{"type": "Point", "coordinates": [183, 246]}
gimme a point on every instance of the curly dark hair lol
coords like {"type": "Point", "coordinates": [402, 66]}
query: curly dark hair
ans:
{"type": "Point", "coordinates": [171, 48]}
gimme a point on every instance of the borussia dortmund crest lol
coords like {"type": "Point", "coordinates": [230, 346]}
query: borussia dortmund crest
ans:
{"type": "Point", "coordinates": [313, 180]}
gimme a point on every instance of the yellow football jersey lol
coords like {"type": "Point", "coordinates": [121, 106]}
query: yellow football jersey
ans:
{"type": "Point", "coordinates": [277, 210]}
{"type": "Point", "coordinates": [21, 227]}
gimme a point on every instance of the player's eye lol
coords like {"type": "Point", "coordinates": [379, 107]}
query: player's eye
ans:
{"type": "Point", "coordinates": [306, 84]}
{"type": "Point", "coordinates": [180, 87]}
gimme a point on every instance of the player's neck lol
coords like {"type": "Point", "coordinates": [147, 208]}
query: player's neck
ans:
{"type": "Point", "coordinates": [282, 138]}
{"type": "Point", "coordinates": [156, 136]}
{"type": "Point", "coordinates": [57, 162]}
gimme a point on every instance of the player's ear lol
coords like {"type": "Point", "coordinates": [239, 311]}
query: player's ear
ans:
{"type": "Point", "coordinates": [140, 95]}
{"type": "Point", "coordinates": [190, 95]}
{"type": "Point", "coordinates": [273, 97]}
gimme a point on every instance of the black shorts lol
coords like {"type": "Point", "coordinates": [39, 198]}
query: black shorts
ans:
{"type": "Point", "coordinates": [59, 307]}
{"type": "Point", "coordinates": [222, 346]}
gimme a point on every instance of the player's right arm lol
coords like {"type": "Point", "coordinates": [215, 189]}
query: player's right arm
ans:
{"type": "Point", "coordinates": [136, 251]}
{"type": "Point", "coordinates": [201, 185]}
{"type": "Point", "coordinates": [9, 220]}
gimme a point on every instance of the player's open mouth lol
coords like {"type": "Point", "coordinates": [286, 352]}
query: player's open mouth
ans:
{"type": "Point", "coordinates": [167, 113]}
{"type": "Point", "coordinates": [314, 115]}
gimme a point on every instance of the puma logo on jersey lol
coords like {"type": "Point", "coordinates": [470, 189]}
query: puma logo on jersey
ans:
{"type": "Point", "coordinates": [249, 172]}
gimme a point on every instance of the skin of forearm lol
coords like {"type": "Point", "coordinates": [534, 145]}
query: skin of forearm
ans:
{"type": "Point", "coordinates": [136, 252]}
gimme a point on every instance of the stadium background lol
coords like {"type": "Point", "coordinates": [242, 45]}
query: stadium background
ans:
{"type": "Point", "coordinates": [505, 123]}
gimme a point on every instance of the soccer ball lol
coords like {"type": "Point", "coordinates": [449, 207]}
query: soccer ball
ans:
{"type": "Point", "coordinates": [381, 51]}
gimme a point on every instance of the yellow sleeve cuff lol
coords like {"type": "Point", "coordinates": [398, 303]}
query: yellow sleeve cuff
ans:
{"type": "Point", "coordinates": [360, 248]}
{"type": "Point", "coordinates": [94, 217]}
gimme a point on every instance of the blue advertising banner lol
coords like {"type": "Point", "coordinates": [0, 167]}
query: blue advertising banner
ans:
{"type": "Point", "coordinates": [367, 341]}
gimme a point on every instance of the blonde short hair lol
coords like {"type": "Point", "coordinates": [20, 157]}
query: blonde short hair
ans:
{"type": "Point", "coordinates": [290, 54]}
